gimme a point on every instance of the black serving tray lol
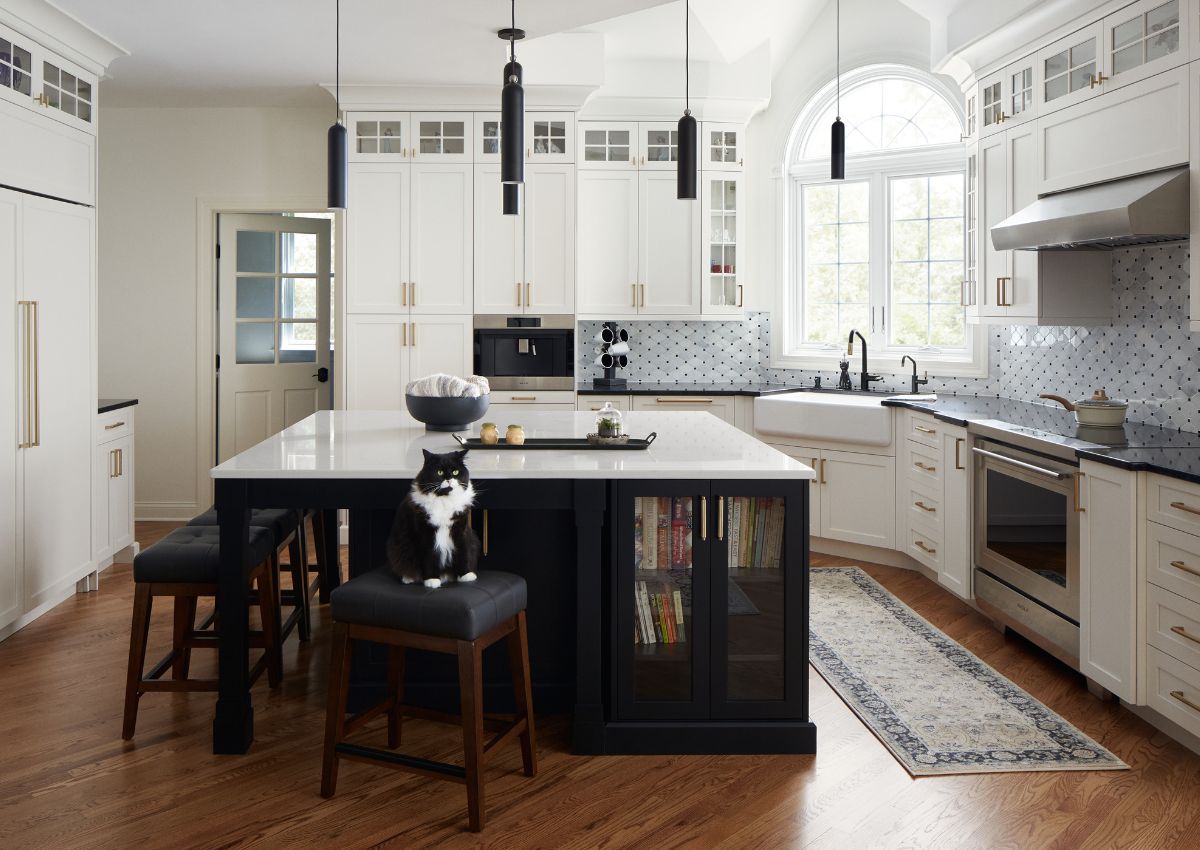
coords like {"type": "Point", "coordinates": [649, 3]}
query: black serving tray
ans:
{"type": "Point", "coordinates": [572, 443]}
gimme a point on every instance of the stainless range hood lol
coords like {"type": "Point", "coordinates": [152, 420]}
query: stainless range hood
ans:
{"type": "Point", "coordinates": [1133, 211]}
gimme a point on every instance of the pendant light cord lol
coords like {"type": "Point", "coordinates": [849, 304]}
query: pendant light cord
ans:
{"type": "Point", "coordinates": [337, 59]}
{"type": "Point", "coordinates": [838, 61]}
{"type": "Point", "coordinates": [512, 35]}
{"type": "Point", "coordinates": [687, 60]}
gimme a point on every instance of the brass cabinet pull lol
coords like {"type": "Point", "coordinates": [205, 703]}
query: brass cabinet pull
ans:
{"type": "Point", "coordinates": [925, 430]}
{"type": "Point", "coordinates": [403, 334]}
{"type": "Point", "coordinates": [526, 398]}
{"type": "Point", "coordinates": [816, 466]}
{"type": "Point", "coordinates": [721, 518]}
{"type": "Point", "coordinates": [920, 544]}
{"type": "Point", "coordinates": [1079, 509]}
{"type": "Point", "coordinates": [634, 294]}
{"type": "Point", "coordinates": [33, 409]}
{"type": "Point", "coordinates": [958, 441]}
{"type": "Point", "coordinates": [923, 467]}
{"type": "Point", "coordinates": [925, 507]}
{"type": "Point", "coordinates": [1096, 80]}
{"type": "Point", "coordinates": [518, 293]}
{"type": "Point", "coordinates": [643, 287]}
{"type": "Point", "coordinates": [27, 376]}
{"type": "Point", "coordinates": [120, 462]}
{"type": "Point", "coordinates": [412, 295]}
{"type": "Point", "coordinates": [403, 293]}
{"type": "Point", "coordinates": [823, 471]}
{"type": "Point", "coordinates": [112, 463]}
{"type": "Point", "coordinates": [113, 425]}
{"type": "Point", "coordinates": [1184, 506]}
{"type": "Point", "coordinates": [1179, 696]}
{"type": "Point", "coordinates": [741, 300]}
{"type": "Point", "coordinates": [485, 531]}
{"type": "Point", "coordinates": [1184, 633]}
{"type": "Point", "coordinates": [683, 401]}
{"type": "Point", "coordinates": [703, 517]}
{"type": "Point", "coordinates": [528, 294]}
{"type": "Point", "coordinates": [413, 334]}
{"type": "Point", "coordinates": [1180, 565]}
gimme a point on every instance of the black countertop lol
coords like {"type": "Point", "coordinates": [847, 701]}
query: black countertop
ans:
{"type": "Point", "coordinates": [650, 388]}
{"type": "Point", "coordinates": [109, 404]}
{"type": "Point", "coordinates": [1141, 447]}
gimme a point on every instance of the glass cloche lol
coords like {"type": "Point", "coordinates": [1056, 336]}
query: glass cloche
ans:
{"type": "Point", "coordinates": [609, 421]}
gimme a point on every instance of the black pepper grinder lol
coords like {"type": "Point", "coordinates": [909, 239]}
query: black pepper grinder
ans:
{"type": "Point", "coordinates": [844, 378]}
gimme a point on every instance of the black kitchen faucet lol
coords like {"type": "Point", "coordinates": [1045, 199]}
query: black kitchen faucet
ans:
{"type": "Point", "coordinates": [865, 377]}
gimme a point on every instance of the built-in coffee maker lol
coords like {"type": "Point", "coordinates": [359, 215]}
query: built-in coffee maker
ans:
{"type": "Point", "coordinates": [526, 352]}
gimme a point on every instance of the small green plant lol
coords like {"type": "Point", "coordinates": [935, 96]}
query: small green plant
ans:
{"type": "Point", "coordinates": [609, 427]}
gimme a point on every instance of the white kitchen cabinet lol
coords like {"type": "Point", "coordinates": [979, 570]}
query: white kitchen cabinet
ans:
{"type": "Point", "coordinates": [377, 238]}
{"type": "Point", "coordinates": [442, 137]}
{"type": "Point", "coordinates": [1007, 97]}
{"type": "Point", "coordinates": [596, 402]}
{"type": "Point", "coordinates": [721, 146]}
{"type": "Point", "coordinates": [12, 387]}
{"type": "Point", "coordinates": [722, 291]}
{"type": "Point", "coordinates": [722, 406]}
{"type": "Point", "coordinates": [1194, 149]}
{"type": "Point", "coordinates": [1108, 577]}
{"type": "Point", "coordinates": [993, 209]}
{"type": "Point", "coordinates": [858, 498]}
{"type": "Point", "coordinates": [972, 250]}
{"type": "Point", "coordinates": [1146, 38]}
{"type": "Point", "coordinates": [958, 562]}
{"type": "Point", "coordinates": [1022, 288]}
{"type": "Point", "coordinates": [499, 248]}
{"type": "Point", "coordinates": [385, 352]}
{"type": "Point", "coordinates": [549, 137]}
{"type": "Point", "coordinates": [607, 224]}
{"type": "Point", "coordinates": [1140, 127]}
{"type": "Point", "coordinates": [486, 139]}
{"type": "Point", "coordinates": [991, 101]}
{"type": "Point", "coordinates": [46, 157]}
{"type": "Point", "coordinates": [658, 145]}
{"type": "Point", "coordinates": [1071, 69]}
{"type": "Point", "coordinates": [112, 485]}
{"type": "Point", "coordinates": [379, 137]}
{"type": "Point", "coordinates": [668, 248]}
{"type": "Point", "coordinates": [508, 407]}
{"type": "Point", "coordinates": [440, 238]}
{"type": "Point", "coordinates": [607, 145]}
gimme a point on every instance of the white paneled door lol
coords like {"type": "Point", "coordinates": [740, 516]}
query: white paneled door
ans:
{"type": "Point", "coordinates": [440, 227]}
{"type": "Point", "coordinates": [57, 260]}
{"type": "Point", "coordinates": [549, 212]}
{"type": "Point", "coordinates": [668, 278]}
{"type": "Point", "coordinates": [11, 385]}
{"type": "Point", "coordinates": [499, 247]}
{"type": "Point", "coordinates": [608, 242]}
{"type": "Point", "coordinates": [273, 320]}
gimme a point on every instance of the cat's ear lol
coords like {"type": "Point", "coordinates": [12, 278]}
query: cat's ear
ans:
{"type": "Point", "coordinates": [428, 454]}
{"type": "Point", "coordinates": [461, 455]}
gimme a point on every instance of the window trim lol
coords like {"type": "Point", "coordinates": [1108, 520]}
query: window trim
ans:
{"type": "Point", "coordinates": [877, 168]}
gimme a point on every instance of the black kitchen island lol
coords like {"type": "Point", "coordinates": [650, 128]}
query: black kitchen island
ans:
{"type": "Point", "coordinates": [668, 588]}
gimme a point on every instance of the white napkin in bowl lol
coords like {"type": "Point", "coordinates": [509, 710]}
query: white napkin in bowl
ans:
{"type": "Point", "coordinates": [448, 386]}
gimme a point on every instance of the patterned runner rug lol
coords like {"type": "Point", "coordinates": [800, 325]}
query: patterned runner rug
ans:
{"type": "Point", "coordinates": [937, 707]}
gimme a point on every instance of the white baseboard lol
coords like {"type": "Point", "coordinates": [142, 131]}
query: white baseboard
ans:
{"type": "Point", "coordinates": [871, 554]}
{"type": "Point", "coordinates": [166, 511]}
{"type": "Point", "coordinates": [1165, 725]}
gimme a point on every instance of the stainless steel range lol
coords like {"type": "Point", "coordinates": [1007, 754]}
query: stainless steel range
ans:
{"type": "Point", "coordinates": [1027, 534]}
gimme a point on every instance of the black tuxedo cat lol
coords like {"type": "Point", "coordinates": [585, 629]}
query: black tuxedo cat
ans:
{"type": "Point", "coordinates": [430, 541]}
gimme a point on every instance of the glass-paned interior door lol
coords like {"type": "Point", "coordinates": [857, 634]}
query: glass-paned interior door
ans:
{"type": "Point", "coordinates": [273, 310]}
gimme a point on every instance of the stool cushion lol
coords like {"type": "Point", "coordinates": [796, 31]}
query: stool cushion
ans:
{"type": "Point", "coordinates": [460, 610]}
{"type": "Point", "coordinates": [192, 555]}
{"type": "Point", "coordinates": [280, 521]}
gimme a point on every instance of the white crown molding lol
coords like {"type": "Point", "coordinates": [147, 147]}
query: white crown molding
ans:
{"type": "Point", "coordinates": [67, 36]}
{"type": "Point", "coordinates": [623, 108]}
{"type": "Point", "coordinates": [478, 98]}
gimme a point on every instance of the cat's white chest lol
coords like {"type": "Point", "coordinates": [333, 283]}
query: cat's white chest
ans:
{"type": "Point", "coordinates": [441, 511]}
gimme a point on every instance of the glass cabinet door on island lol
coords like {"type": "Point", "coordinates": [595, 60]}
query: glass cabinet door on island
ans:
{"type": "Point", "coordinates": [662, 616]}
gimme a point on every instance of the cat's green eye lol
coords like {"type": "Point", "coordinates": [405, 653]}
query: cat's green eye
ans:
{"type": "Point", "coordinates": [441, 473]}
{"type": "Point", "coordinates": [455, 473]}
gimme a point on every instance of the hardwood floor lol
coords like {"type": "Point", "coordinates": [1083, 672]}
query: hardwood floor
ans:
{"type": "Point", "coordinates": [67, 780]}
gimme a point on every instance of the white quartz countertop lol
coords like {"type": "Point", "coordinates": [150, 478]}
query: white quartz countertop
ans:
{"type": "Point", "coordinates": [387, 444]}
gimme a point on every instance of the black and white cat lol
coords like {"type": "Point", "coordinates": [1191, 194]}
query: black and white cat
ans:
{"type": "Point", "coordinates": [430, 540]}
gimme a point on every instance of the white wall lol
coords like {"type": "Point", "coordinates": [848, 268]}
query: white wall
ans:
{"type": "Point", "coordinates": [873, 31]}
{"type": "Point", "coordinates": [155, 166]}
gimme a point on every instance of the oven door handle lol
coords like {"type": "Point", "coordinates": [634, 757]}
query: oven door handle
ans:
{"type": "Point", "coordinates": [1040, 470]}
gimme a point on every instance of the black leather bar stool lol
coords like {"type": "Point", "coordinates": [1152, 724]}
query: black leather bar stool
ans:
{"type": "Point", "coordinates": [186, 564]}
{"type": "Point", "coordinates": [285, 527]}
{"type": "Point", "coordinates": [458, 619]}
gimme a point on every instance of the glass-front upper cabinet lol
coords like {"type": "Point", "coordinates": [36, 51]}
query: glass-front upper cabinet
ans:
{"type": "Point", "coordinates": [608, 144]}
{"type": "Point", "coordinates": [721, 146]}
{"type": "Point", "coordinates": [968, 297]}
{"type": "Point", "coordinates": [441, 136]}
{"type": "Point", "coordinates": [972, 114]}
{"type": "Point", "coordinates": [1006, 97]}
{"type": "Point", "coordinates": [721, 218]}
{"type": "Point", "coordinates": [658, 145]}
{"type": "Point", "coordinates": [67, 92]}
{"type": "Point", "coordinates": [487, 137]}
{"type": "Point", "coordinates": [16, 67]}
{"type": "Point", "coordinates": [1071, 69]}
{"type": "Point", "coordinates": [378, 136]}
{"type": "Point", "coordinates": [1144, 39]}
{"type": "Point", "coordinates": [35, 78]}
{"type": "Point", "coordinates": [549, 137]}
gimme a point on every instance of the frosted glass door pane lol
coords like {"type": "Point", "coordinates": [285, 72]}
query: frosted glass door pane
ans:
{"type": "Point", "coordinates": [255, 251]}
{"type": "Point", "coordinates": [256, 297]}
{"type": "Point", "coordinates": [256, 342]}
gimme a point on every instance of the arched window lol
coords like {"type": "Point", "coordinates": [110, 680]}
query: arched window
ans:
{"type": "Point", "coordinates": [883, 252]}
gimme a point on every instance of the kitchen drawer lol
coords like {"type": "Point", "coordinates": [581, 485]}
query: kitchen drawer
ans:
{"type": "Point", "coordinates": [1173, 560]}
{"type": "Point", "coordinates": [919, 505]}
{"type": "Point", "coordinates": [1173, 689]}
{"type": "Point", "coordinates": [537, 397]}
{"type": "Point", "coordinates": [925, 545]}
{"type": "Point", "coordinates": [1173, 503]}
{"type": "Point", "coordinates": [924, 464]}
{"type": "Point", "coordinates": [512, 413]}
{"type": "Point", "coordinates": [924, 429]}
{"type": "Point", "coordinates": [723, 407]}
{"type": "Point", "coordinates": [114, 425]}
{"type": "Point", "coordinates": [1173, 625]}
{"type": "Point", "coordinates": [595, 402]}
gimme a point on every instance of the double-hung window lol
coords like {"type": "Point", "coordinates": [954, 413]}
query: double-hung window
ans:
{"type": "Point", "coordinates": [881, 252]}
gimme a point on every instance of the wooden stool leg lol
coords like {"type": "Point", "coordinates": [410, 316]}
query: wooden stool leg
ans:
{"type": "Point", "coordinates": [335, 710]}
{"type": "Point", "coordinates": [138, 636]}
{"type": "Point", "coordinates": [320, 541]}
{"type": "Point", "coordinates": [470, 683]}
{"type": "Point", "coordinates": [268, 610]}
{"type": "Point", "coordinates": [298, 559]}
{"type": "Point", "coordinates": [518, 661]}
{"type": "Point", "coordinates": [396, 694]}
{"type": "Point", "coordinates": [185, 621]}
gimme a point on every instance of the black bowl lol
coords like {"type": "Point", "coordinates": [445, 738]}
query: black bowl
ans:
{"type": "Point", "coordinates": [446, 414]}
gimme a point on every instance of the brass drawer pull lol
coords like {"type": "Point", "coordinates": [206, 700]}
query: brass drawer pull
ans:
{"type": "Point", "coordinates": [958, 441]}
{"type": "Point", "coordinates": [925, 430]}
{"type": "Point", "coordinates": [1179, 696]}
{"type": "Point", "coordinates": [721, 519]}
{"type": "Point", "coordinates": [518, 293]}
{"type": "Point", "coordinates": [815, 466]}
{"type": "Point", "coordinates": [1079, 509]}
{"type": "Point", "coordinates": [485, 532]}
{"type": "Point", "coordinates": [920, 544]}
{"type": "Point", "coordinates": [1184, 633]}
{"type": "Point", "coordinates": [1184, 506]}
{"type": "Point", "coordinates": [924, 467]}
{"type": "Point", "coordinates": [683, 401]}
{"type": "Point", "coordinates": [113, 425]}
{"type": "Point", "coordinates": [404, 293]}
{"type": "Point", "coordinates": [529, 398]}
{"type": "Point", "coordinates": [823, 471]}
{"type": "Point", "coordinates": [703, 517]}
{"type": "Point", "coordinates": [925, 507]}
{"type": "Point", "coordinates": [634, 285]}
{"type": "Point", "coordinates": [1180, 565]}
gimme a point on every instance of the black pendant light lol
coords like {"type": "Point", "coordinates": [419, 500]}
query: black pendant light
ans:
{"type": "Point", "coordinates": [685, 182]}
{"type": "Point", "coordinates": [337, 133]}
{"type": "Point", "coordinates": [512, 110]}
{"type": "Point", "coordinates": [837, 140]}
{"type": "Point", "coordinates": [512, 191]}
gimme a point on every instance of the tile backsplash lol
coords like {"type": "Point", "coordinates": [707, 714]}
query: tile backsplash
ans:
{"type": "Point", "coordinates": [1147, 355]}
